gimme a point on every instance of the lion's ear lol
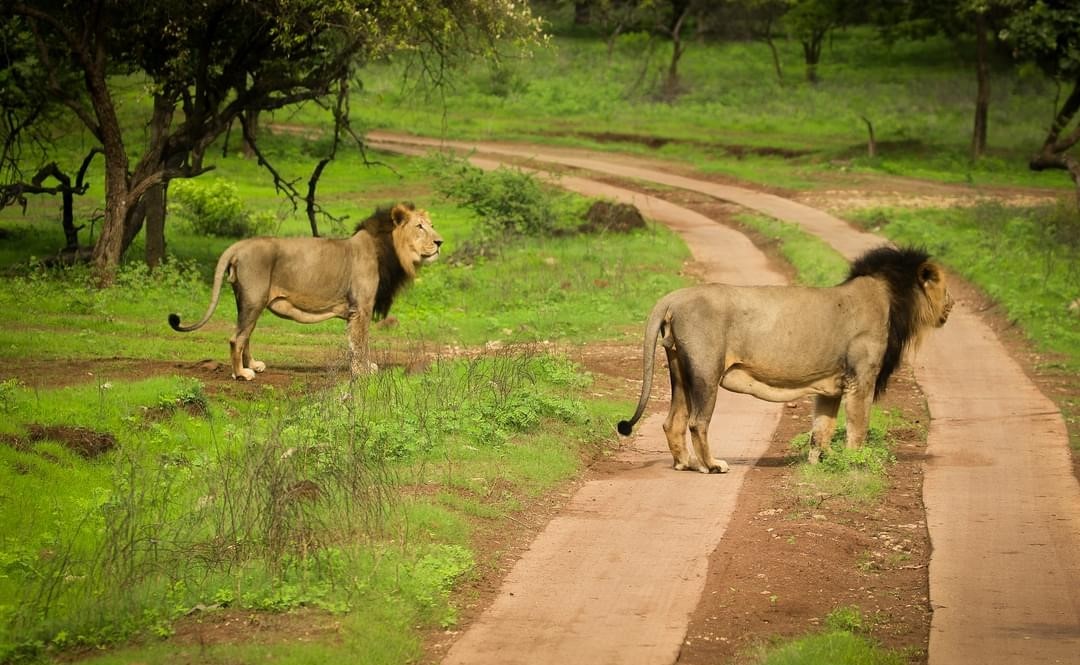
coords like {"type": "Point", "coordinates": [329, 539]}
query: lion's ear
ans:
{"type": "Point", "coordinates": [399, 214]}
{"type": "Point", "coordinates": [929, 272]}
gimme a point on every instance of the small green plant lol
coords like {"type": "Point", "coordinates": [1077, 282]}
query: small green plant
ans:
{"type": "Point", "coordinates": [849, 618]}
{"type": "Point", "coordinates": [855, 476]}
{"type": "Point", "coordinates": [434, 575]}
{"type": "Point", "coordinates": [8, 390]}
{"type": "Point", "coordinates": [189, 396]}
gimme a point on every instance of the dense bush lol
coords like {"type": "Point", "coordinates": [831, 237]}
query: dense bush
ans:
{"type": "Point", "coordinates": [214, 208]}
{"type": "Point", "coordinates": [510, 202]}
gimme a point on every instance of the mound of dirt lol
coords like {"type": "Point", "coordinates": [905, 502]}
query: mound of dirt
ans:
{"type": "Point", "coordinates": [82, 440]}
{"type": "Point", "coordinates": [606, 216]}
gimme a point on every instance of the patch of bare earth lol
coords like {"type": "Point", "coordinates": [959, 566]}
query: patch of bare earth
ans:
{"type": "Point", "coordinates": [786, 562]}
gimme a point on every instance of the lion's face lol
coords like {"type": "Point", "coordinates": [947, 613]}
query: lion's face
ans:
{"type": "Point", "coordinates": [415, 240]}
{"type": "Point", "coordinates": [939, 302]}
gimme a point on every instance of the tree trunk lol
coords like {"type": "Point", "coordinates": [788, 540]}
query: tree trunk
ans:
{"type": "Point", "coordinates": [671, 81]}
{"type": "Point", "coordinates": [775, 54]}
{"type": "Point", "coordinates": [871, 142]}
{"type": "Point", "coordinates": [251, 117]}
{"type": "Point", "coordinates": [812, 56]}
{"type": "Point", "coordinates": [982, 95]}
{"type": "Point", "coordinates": [110, 244]}
{"type": "Point", "coordinates": [1054, 152]}
{"type": "Point", "coordinates": [154, 206]}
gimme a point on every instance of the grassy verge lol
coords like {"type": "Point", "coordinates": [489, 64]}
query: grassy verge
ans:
{"type": "Point", "coordinates": [1026, 259]}
{"type": "Point", "coordinates": [734, 116]}
{"type": "Point", "coordinates": [135, 507]}
{"type": "Point", "coordinates": [843, 643]}
{"type": "Point", "coordinates": [816, 264]}
{"type": "Point", "coordinates": [359, 500]}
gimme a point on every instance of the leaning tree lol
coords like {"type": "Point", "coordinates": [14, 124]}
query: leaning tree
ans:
{"type": "Point", "coordinates": [1048, 32]}
{"type": "Point", "coordinates": [208, 64]}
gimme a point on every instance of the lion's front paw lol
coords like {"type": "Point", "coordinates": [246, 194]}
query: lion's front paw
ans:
{"type": "Point", "coordinates": [245, 374]}
{"type": "Point", "coordinates": [720, 466]}
{"type": "Point", "coordinates": [258, 365]}
{"type": "Point", "coordinates": [815, 455]}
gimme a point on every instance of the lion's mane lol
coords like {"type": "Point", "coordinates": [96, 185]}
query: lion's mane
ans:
{"type": "Point", "coordinates": [901, 269]}
{"type": "Point", "coordinates": [392, 275]}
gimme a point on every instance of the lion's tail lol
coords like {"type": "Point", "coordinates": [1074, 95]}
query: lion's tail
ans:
{"type": "Point", "coordinates": [219, 277]}
{"type": "Point", "coordinates": [657, 318]}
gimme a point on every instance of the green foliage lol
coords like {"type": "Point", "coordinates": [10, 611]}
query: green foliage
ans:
{"type": "Point", "coordinates": [848, 619]}
{"type": "Point", "coordinates": [213, 207]}
{"type": "Point", "coordinates": [816, 263]}
{"type": "Point", "coordinates": [1028, 259]}
{"type": "Point", "coordinates": [855, 475]}
{"type": "Point", "coordinates": [286, 505]}
{"type": "Point", "coordinates": [1048, 32]}
{"type": "Point", "coordinates": [8, 394]}
{"type": "Point", "coordinates": [433, 577]}
{"type": "Point", "coordinates": [510, 202]}
{"type": "Point", "coordinates": [844, 642]}
{"type": "Point", "coordinates": [832, 648]}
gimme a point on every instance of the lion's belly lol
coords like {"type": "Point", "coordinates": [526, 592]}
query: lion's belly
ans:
{"type": "Point", "coordinates": [740, 380]}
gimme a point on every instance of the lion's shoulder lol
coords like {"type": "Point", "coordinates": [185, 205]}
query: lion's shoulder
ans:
{"type": "Point", "coordinates": [917, 297]}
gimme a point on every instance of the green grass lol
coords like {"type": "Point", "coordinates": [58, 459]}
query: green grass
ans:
{"type": "Point", "coordinates": [201, 504]}
{"type": "Point", "coordinates": [194, 510]}
{"type": "Point", "coordinates": [815, 263]}
{"type": "Point", "coordinates": [831, 648]}
{"type": "Point", "coordinates": [919, 95]}
{"type": "Point", "coordinates": [1027, 259]}
{"type": "Point", "coordinates": [855, 476]}
{"type": "Point", "coordinates": [844, 642]}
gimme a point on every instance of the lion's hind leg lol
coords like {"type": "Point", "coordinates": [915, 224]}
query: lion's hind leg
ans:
{"type": "Point", "coordinates": [702, 395]}
{"type": "Point", "coordinates": [247, 315]}
{"type": "Point", "coordinates": [678, 414]}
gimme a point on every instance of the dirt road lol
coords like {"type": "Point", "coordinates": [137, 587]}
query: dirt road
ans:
{"type": "Point", "coordinates": [1003, 507]}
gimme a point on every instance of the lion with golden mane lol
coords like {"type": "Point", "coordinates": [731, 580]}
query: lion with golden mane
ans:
{"type": "Point", "coordinates": [780, 343]}
{"type": "Point", "coordinates": [309, 280]}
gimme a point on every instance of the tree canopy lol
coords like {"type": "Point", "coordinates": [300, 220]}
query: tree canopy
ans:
{"type": "Point", "coordinates": [1048, 33]}
{"type": "Point", "coordinates": [209, 62]}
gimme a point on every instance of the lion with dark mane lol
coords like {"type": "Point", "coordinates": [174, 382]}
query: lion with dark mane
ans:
{"type": "Point", "coordinates": [780, 343]}
{"type": "Point", "coordinates": [309, 280]}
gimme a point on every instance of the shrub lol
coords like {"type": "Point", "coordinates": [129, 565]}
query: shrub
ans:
{"type": "Point", "coordinates": [214, 208]}
{"type": "Point", "coordinates": [510, 202]}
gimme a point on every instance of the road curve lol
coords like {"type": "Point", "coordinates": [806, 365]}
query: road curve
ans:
{"type": "Point", "coordinates": [614, 577]}
{"type": "Point", "coordinates": [1003, 506]}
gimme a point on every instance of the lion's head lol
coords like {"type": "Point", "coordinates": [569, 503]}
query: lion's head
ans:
{"type": "Point", "coordinates": [406, 240]}
{"type": "Point", "coordinates": [919, 299]}
{"type": "Point", "coordinates": [416, 241]}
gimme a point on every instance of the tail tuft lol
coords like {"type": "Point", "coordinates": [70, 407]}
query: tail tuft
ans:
{"type": "Point", "coordinates": [174, 321]}
{"type": "Point", "coordinates": [625, 427]}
